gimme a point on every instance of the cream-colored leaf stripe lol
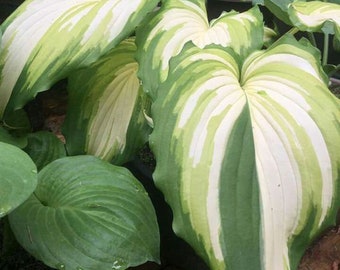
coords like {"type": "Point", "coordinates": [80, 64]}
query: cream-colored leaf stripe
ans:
{"type": "Point", "coordinates": [43, 40]}
{"type": "Point", "coordinates": [180, 21]}
{"type": "Point", "coordinates": [106, 106]}
{"type": "Point", "coordinates": [115, 113]}
{"type": "Point", "coordinates": [275, 115]}
{"type": "Point", "coordinates": [316, 16]}
{"type": "Point", "coordinates": [205, 110]}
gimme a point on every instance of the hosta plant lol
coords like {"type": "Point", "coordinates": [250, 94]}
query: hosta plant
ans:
{"type": "Point", "coordinates": [83, 202]}
{"type": "Point", "coordinates": [243, 128]}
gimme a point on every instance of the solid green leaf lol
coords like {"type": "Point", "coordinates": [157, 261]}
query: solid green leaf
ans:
{"type": "Point", "coordinates": [7, 137]}
{"type": "Point", "coordinates": [279, 8]}
{"type": "Point", "coordinates": [180, 21]}
{"type": "Point", "coordinates": [87, 214]}
{"type": "Point", "coordinates": [44, 147]}
{"type": "Point", "coordinates": [44, 40]}
{"type": "Point", "coordinates": [106, 108]}
{"type": "Point", "coordinates": [316, 16]}
{"type": "Point", "coordinates": [248, 155]}
{"type": "Point", "coordinates": [18, 177]}
{"type": "Point", "coordinates": [336, 45]}
{"type": "Point", "coordinates": [18, 121]}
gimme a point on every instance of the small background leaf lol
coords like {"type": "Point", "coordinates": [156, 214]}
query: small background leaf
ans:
{"type": "Point", "coordinates": [7, 137]}
{"type": "Point", "coordinates": [316, 16]}
{"type": "Point", "coordinates": [44, 147]}
{"type": "Point", "coordinates": [87, 214]}
{"type": "Point", "coordinates": [279, 8]}
{"type": "Point", "coordinates": [18, 121]}
{"type": "Point", "coordinates": [18, 177]}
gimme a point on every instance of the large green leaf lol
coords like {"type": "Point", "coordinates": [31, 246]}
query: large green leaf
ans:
{"type": "Point", "coordinates": [248, 158]}
{"type": "Point", "coordinates": [180, 21]}
{"type": "Point", "coordinates": [18, 177]}
{"type": "Point", "coordinates": [44, 147]}
{"type": "Point", "coordinates": [87, 214]}
{"type": "Point", "coordinates": [43, 40]}
{"type": "Point", "coordinates": [316, 16]}
{"type": "Point", "coordinates": [106, 107]}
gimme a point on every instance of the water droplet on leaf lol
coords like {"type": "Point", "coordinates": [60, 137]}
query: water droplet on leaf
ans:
{"type": "Point", "coordinates": [60, 266]}
{"type": "Point", "coordinates": [93, 205]}
{"type": "Point", "coordinates": [118, 264]}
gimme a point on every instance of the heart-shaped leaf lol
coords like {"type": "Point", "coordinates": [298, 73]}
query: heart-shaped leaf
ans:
{"type": "Point", "coordinates": [43, 40]}
{"type": "Point", "coordinates": [18, 177]}
{"type": "Point", "coordinates": [106, 108]}
{"type": "Point", "coordinates": [248, 158]}
{"type": "Point", "coordinates": [87, 214]}
{"type": "Point", "coordinates": [180, 21]}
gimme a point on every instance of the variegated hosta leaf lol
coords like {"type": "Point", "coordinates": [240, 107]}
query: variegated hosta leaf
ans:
{"type": "Point", "coordinates": [43, 40]}
{"type": "Point", "coordinates": [316, 16]}
{"type": "Point", "coordinates": [18, 177]}
{"type": "Point", "coordinates": [248, 158]}
{"type": "Point", "coordinates": [105, 116]}
{"type": "Point", "coordinates": [180, 21]}
{"type": "Point", "coordinates": [270, 36]}
{"type": "Point", "coordinates": [87, 214]}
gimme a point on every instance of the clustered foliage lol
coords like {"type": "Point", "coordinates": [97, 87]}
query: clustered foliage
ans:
{"type": "Point", "coordinates": [239, 117]}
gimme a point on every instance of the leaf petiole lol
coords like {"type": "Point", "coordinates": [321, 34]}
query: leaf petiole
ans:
{"type": "Point", "coordinates": [325, 49]}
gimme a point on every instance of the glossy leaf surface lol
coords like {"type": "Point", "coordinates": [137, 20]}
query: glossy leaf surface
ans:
{"type": "Point", "coordinates": [87, 214]}
{"type": "Point", "coordinates": [18, 177]}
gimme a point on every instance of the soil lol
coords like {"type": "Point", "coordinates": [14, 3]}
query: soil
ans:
{"type": "Point", "coordinates": [325, 253]}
